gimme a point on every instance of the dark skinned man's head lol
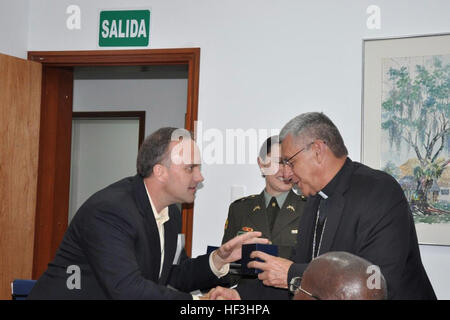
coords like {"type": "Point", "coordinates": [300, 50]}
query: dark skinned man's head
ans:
{"type": "Point", "coordinates": [341, 276]}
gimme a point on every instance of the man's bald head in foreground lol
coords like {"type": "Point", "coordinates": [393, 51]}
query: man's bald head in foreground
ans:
{"type": "Point", "coordinates": [342, 276]}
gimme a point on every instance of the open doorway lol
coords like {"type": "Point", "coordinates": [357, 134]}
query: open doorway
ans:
{"type": "Point", "coordinates": [159, 92]}
{"type": "Point", "coordinates": [52, 205]}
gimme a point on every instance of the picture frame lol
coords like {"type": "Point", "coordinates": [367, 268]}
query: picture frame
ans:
{"type": "Point", "coordinates": [405, 106]}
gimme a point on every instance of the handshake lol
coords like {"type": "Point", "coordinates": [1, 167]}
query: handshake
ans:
{"type": "Point", "coordinates": [272, 270]}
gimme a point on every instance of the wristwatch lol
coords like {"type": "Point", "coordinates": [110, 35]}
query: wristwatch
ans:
{"type": "Point", "coordinates": [294, 284]}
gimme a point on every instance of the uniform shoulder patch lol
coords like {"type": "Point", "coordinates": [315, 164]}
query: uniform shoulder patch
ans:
{"type": "Point", "coordinates": [246, 198]}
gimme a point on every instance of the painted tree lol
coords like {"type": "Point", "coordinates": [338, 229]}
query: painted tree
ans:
{"type": "Point", "coordinates": [392, 169]}
{"type": "Point", "coordinates": [416, 112]}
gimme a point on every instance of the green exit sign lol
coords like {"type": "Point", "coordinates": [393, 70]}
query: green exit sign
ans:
{"type": "Point", "coordinates": [128, 28]}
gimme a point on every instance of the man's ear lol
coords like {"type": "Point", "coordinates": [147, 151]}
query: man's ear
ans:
{"type": "Point", "coordinates": [160, 172]}
{"type": "Point", "coordinates": [319, 149]}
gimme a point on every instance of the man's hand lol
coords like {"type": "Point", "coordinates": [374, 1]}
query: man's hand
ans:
{"type": "Point", "coordinates": [221, 293]}
{"type": "Point", "coordinates": [275, 269]}
{"type": "Point", "coordinates": [232, 250]}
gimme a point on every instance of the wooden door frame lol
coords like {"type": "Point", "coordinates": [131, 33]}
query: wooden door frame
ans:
{"type": "Point", "coordinates": [47, 217]}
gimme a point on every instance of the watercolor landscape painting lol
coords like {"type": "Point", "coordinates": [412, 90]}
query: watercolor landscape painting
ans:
{"type": "Point", "coordinates": [415, 132]}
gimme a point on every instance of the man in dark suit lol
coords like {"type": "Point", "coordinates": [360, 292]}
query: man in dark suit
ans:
{"type": "Point", "coordinates": [276, 211]}
{"type": "Point", "coordinates": [350, 207]}
{"type": "Point", "coordinates": [122, 242]}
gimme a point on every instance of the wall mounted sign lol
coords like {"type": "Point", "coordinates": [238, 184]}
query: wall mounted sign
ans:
{"type": "Point", "coordinates": [124, 28]}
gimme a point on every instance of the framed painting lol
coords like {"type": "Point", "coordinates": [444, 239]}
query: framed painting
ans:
{"type": "Point", "coordinates": [405, 124]}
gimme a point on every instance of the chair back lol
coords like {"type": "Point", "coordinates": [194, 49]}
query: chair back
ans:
{"type": "Point", "coordinates": [21, 288]}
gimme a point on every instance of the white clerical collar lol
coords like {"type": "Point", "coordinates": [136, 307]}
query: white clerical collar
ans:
{"type": "Point", "coordinates": [323, 195]}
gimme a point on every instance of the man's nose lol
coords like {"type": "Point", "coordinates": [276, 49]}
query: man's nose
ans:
{"type": "Point", "coordinates": [198, 176]}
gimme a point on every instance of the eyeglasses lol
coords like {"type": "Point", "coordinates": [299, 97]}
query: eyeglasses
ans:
{"type": "Point", "coordinates": [287, 161]}
{"type": "Point", "coordinates": [300, 289]}
{"type": "Point", "coordinates": [295, 287]}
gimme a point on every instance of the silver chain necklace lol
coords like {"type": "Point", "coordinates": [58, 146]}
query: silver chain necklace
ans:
{"type": "Point", "coordinates": [315, 234]}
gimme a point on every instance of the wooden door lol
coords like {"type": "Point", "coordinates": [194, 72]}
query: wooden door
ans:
{"type": "Point", "coordinates": [20, 102]}
{"type": "Point", "coordinates": [52, 205]}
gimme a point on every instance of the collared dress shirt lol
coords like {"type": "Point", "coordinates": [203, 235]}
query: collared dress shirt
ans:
{"type": "Point", "coordinates": [161, 218]}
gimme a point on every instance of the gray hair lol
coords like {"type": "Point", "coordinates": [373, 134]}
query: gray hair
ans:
{"type": "Point", "coordinates": [316, 125]}
{"type": "Point", "coordinates": [155, 147]}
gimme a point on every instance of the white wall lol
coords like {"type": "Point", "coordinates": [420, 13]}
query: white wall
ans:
{"type": "Point", "coordinates": [436, 260]}
{"type": "Point", "coordinates": [163, 100]}
{"type": "Point", "coordinates": [14, 17]}
{"type": "Point", "coordinates": [262, 62]}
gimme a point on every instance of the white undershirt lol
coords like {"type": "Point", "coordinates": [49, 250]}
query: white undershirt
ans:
{"type": "Point", "coordinates": [161, 218]}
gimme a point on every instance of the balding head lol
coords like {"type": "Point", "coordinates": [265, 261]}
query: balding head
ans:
{"type": "Point", "coordinates": [342, 276]}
